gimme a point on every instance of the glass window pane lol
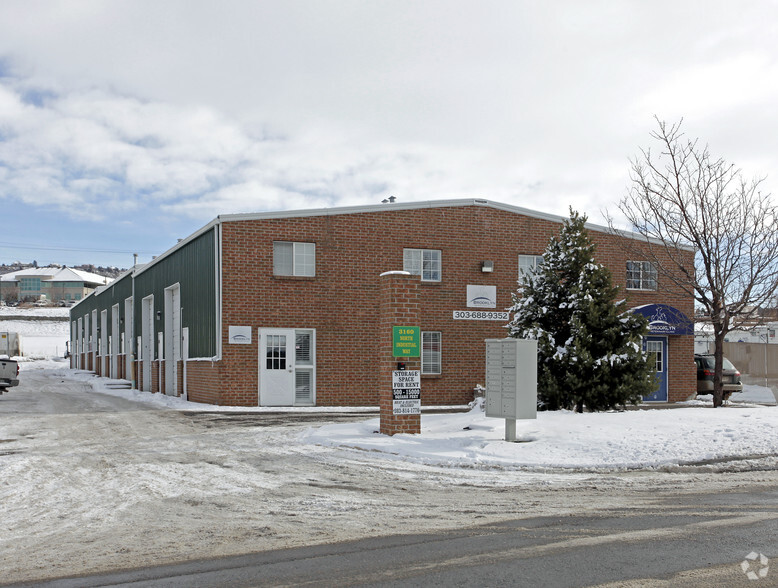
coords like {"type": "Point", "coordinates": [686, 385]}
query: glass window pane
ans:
{"type": "Point", "coordinates": [283, 262]}
{"type": "Point", "coordinates": [302, 347]}
{"type": "Point", "coordinates": [412, 261]}
{"type": "Point", "coordinates": [305, 259]}
{"type": "Point", "coordinates": [431, 265]}
{"type": "Point", "coordinates": [430, 352]}
{"type": "Point", "coordinates": [302, 387]}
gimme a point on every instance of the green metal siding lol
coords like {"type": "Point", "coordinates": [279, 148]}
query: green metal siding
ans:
{"type": "Point", "coordinates": [193, 267]}
{"type": "Point", "coordinates": [115, 293]}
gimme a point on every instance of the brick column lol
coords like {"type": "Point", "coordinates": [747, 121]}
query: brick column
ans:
{"type": "Point", "coordinates": [399, 306]}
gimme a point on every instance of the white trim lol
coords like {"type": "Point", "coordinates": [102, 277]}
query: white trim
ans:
{"type": "Point", "coordinates": [261, 356]}
{"type": "Point", "coordinates": [373, 208]}
{"type": "Point", "coordinates": [116, 337]}
{"type": "Point", "coordinates": [172, 330]}
{"type": "Point", "coordinates": [219, 277]}
{"type": "Point", "coordinates": [446, 203]}
{"type": "Point", "coordinates": [440, 353]}
{"type": "Point", "coordinates": [147, 340]}
{"type": "Point", "coordinates": [129, 337]}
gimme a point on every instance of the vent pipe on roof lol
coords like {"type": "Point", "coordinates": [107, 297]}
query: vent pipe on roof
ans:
{"type": "Point", "coordinates": [389, 200]}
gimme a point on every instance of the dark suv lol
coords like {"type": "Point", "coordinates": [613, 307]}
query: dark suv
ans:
{"type": "Point", "coordinates": [730, 376]}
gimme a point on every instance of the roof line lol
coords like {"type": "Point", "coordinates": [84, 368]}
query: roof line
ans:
{"type": "Point", "coordinates": [368, 208]}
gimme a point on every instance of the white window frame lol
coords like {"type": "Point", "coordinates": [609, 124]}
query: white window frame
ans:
{"type": "Point", "coordinates": [433, 366]}
{"type": "Point", "coordinates": [423, 262]}
{"type": "Point", "coordinates": [642, 277]}
{"type": "Point", "coordinates": [308, 366]}
{"type": "Point", "coordinates": [303, 258]}
{"type": "Point", "coordinates": [528, 264]}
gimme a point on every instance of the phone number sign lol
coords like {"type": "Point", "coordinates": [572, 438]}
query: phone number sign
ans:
{"type": "Point", "coordinates": [481, 315]}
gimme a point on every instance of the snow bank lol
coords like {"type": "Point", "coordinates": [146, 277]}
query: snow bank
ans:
{"type": "Point", "coordinates": [633, 439]}
{"type": "Point", "coordinates": [616, 440]}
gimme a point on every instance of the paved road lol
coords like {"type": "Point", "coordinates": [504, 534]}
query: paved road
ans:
{"type": "Point", "coordinates": [701, 542]}
{"type": "Point", "coordinates": [95, 483]}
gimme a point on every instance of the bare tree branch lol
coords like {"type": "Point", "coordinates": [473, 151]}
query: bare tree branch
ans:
{"type": "Point", "coordinates": [685, 198]}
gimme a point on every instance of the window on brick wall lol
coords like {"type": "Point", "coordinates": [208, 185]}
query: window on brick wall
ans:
{"type": "Point", "coordinates": [294, 259]}
{"type": "Point", "coordinates": [430, 352]}
{"type": "Point", "coordinates": [422, 262]}
{"type": "Point", "coordinates": [528, 264]}
{"type": "Point", "coordinates": [641, 275]}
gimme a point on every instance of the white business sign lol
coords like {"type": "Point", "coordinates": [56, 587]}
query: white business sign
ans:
{"type": "Point", "coordinates": [481, 315]}
{"type": "Point", "coordinates": [481, 296]}
{"type": "Point", "coordinates": [406, 392]}
{"type": "Point", "coordinates": [240, 335]}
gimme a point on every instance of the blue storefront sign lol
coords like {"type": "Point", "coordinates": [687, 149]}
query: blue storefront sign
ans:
{"type": "Point", "coordinates": [665, 320]}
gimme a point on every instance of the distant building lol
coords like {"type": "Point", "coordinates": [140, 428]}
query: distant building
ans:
{"type": "Point", "coordinates": [54, 283]}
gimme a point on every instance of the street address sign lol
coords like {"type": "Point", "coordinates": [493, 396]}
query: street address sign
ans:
{"type": "Point", "coordinates": [406, 341]}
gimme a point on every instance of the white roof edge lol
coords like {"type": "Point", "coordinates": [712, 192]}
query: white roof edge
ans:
{"type": "Point", "coordinates": [366, 208]}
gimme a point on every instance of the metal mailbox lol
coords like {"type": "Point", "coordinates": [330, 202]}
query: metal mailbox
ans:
{"type": "Point", "coordinates": [512, 378]}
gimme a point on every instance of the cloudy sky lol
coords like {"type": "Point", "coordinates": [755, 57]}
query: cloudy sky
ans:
{"type": "Point", "coordinates": [127, 124]}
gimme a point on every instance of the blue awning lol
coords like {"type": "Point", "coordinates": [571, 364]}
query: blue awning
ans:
{"type": "Point", "coordinates": [665, 320]}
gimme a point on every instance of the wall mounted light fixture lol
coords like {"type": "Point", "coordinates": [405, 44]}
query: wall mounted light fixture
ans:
{"type": "Point", "coordinates": [487, 266]}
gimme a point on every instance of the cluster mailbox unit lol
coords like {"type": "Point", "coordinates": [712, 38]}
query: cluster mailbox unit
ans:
{"type": "Point", "coordinates": [511, 381]}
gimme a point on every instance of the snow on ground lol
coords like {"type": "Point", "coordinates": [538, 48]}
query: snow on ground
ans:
{"type": "Point", "coordinates": [647, 438]}
{"type": "Point", "coordinates": [44, 311]}
{"type": "Point", "coordinates": [695, 433]}
{"type": "Point", "coordinates": [41, 336]}
{"type": "Point", "coordinates": [613, 440]}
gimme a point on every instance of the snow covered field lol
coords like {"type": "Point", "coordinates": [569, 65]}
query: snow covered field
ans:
{"type": "Point", "coordinates": [42, 336]}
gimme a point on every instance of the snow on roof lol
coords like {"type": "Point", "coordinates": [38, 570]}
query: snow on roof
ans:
{"type": "Point", "coordinates": [71, 275]}
{"type": "Point", "coordinates": [31, 271]}
{"type": "Point", "coordinates": [56, 274]}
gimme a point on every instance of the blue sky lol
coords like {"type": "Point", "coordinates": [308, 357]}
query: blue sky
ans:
{"type": "Point", "coordinates": [125, 125]}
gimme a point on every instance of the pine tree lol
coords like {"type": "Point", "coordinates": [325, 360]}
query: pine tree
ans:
{"type": "Point", "coordinates": [589, 346]}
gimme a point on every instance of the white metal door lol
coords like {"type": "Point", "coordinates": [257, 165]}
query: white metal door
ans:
{"type": "Point", "coordinates": [115, 345]}
{"type": "Point", "coordinates": [184, 357]}
{"type": "Point", "coordinates": [276, 367]}
{"type": "Point", "coordinates": [147, 334]}
{"type": "Point", "coordinates": [128, 337]}
{"type": "Point", "coordinates": [172, 338]}
{"type": "Point", "coordinates": [80, 342]}
{"type": "Point", "coordinates": [103, 351]}
{"type": "Point", "coordinates": [93, 341]}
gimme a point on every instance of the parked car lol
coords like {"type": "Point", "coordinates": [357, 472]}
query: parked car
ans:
{"type": "Point", "coordinates": [730, 376]}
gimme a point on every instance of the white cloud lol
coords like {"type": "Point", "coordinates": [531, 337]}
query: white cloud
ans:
{"type": "Point", "coordinates": [196, 109]}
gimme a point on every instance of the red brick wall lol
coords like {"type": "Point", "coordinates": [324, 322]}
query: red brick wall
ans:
{"type": "Point", "coordinates": [204, 382]}
{"type": "Point", "coordinates": [682, 373]}
{"type": "Point", "coordinates": [342, 301]}
{"type": "Point", "coordinates": [399, 306]}
{"type": "Point", "coordinates": [156, 378]}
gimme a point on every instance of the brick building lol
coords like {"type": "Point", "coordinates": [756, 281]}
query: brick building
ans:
{"type": "Point", "coordinates": [290, 308]}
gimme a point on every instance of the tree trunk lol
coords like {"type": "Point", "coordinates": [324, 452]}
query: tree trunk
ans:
{"type": "Point", "coordinates": [718, 356]}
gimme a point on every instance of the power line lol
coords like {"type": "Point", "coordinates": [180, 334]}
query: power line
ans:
{"type": "Point", "coordinates": [44, 248]}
